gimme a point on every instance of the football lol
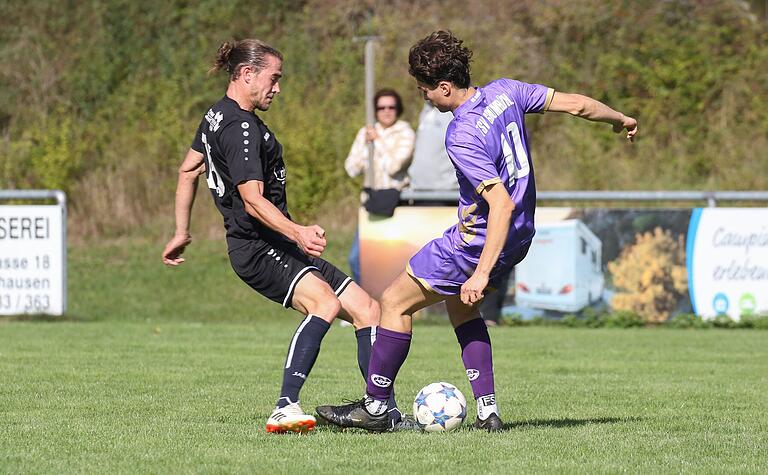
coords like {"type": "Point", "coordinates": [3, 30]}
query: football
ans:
{"type": "Point", "coordinates": [439, 407]}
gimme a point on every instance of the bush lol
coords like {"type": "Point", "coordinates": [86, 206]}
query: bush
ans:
{"type": "Point", "coordinates": [570, 320]}
{"type": "Point", "coordinates": [687, 320]}
{"type": "Point", "coordinates": [650, 275]}
{"type": "Point", "coordinates": [723, 321]}
{"type": "Point", "coordinates": [623, 319]}
{"type": "Point", "coordinates": [759, 322]}
{"type": "Point", "coordinates": [591, 318]}
{"type": "Point", "coordinates": [511, 320]}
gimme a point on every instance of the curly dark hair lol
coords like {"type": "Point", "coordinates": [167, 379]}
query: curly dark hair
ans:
{"type": "Point", "coordinates": [440, 57]}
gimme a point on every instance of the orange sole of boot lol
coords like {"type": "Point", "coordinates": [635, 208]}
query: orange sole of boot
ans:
{"type": "Point", "coordinates": [300, 427]}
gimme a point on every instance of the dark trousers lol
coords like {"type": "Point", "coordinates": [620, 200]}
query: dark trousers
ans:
{"type": "Point", "coordinates": [490, 307]}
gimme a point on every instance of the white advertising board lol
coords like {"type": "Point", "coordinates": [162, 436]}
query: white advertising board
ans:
{"type": "Point", "coordinates": [727, 259]}
{"type": "Point", "coordinates": [32, 261]}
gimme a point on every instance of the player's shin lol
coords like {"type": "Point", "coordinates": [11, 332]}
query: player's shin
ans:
{"type": "Point", "coordinates": [477, 356]}
{"type": "Point", "coordinates": [388, 355]}
{"type": "Point", "coordinates": [302, 353]}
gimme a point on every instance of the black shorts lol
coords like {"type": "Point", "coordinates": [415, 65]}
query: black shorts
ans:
{"type": "Point", "coordinates": [274, 269]}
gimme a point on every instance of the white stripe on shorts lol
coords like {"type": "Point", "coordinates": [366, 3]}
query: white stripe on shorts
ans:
{"type": "Point", "coordinates": [293, 342]}
{"type": "Point", "coordinates": [343, 286]}
{"type": "Point", "coordinates": [295, 281]}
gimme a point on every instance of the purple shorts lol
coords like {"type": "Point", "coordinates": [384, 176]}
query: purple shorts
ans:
{"type": "Point", "coordinates": [442, 267]}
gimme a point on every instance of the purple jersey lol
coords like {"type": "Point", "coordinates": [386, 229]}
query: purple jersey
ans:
{"type": "Point", "coordinates": [488, 143]}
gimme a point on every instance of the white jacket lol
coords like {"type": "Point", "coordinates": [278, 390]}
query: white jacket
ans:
{"type": "Point", "coordinates": [392, 155]}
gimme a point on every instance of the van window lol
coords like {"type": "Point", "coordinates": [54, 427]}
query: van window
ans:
{"type": "Point", "coordinates": [583, 245]}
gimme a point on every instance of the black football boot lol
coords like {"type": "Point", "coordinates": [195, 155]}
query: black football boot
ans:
{"type": "Point", "coordinates": [355, 415]}
{"type": "Point", "coordinates": [491, 424]}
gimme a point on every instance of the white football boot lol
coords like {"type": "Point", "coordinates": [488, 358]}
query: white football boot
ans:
{"type": "Point", "coordinates": [290, 419]}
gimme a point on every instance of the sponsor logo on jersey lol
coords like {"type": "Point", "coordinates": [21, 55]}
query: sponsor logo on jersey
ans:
{"type": "Point", "coordinates": [492, 111]}
{"type": "Point", "coordinates": [266, 136]}
{"type": "Point", "coordinates": [245, 125]}
{"type": "Point", "coordinates": [214, 119]}
{"type": "Point", "coordinates": [279, 174]}
{"type": "Point", "coordinates": [473, 374]}
{"type": "Point", "coordinates": [381, 381]}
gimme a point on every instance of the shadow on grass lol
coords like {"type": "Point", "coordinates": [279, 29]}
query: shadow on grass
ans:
{"type": "Point", "coordinates": [567, 422]}
{"type": "Point", "coordinates": [42, 318]}
{"type": "Point", "coordinates": [509, 426]}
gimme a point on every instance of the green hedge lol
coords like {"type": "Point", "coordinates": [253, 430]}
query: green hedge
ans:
{"type": "Point", "coordinates": [593, 319]}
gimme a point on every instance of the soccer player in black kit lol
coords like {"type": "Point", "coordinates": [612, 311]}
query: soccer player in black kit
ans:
{"type": "Point", "coordinates": [243, 166]}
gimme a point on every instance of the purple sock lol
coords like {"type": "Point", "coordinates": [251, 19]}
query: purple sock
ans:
{"type": "Point", "coordinates": [476, 355]}
{"type": "Point", "coordinates": [389, 352]}
{"type": "Point", "coordinates": [366, 337]}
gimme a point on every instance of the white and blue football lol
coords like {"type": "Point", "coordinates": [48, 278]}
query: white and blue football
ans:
{"type": "Point", "coordinates": [439, 407]}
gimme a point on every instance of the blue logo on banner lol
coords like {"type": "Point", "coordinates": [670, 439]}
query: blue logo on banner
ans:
{"type": "Point", "coordinates": [720, 303]}
{"type": "Point", "coordinates": [693, 227]}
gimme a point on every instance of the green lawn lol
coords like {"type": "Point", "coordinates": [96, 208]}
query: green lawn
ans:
{"type": "Point", "coordinates": [176, 370]}
{"type": "Point", "coordinates": [193, 397]}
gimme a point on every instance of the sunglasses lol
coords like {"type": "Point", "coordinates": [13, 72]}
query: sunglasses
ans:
{"type": "Point", "coordinates": [383, 108]}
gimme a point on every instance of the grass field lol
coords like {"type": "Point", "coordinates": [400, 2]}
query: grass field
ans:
{"type": "Point", "coordinates": [191, 397]}
{"type": "Point", "coordinates": [175, 371]}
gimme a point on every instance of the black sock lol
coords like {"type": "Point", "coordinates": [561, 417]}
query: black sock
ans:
{"type": "Point", "coordinates": [302, 354]}
{"type": "Point", "coordinates": [365, 338]}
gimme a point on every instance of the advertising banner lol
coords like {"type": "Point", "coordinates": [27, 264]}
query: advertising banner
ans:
{"type": "Point", "coordinates": [31, 260]}
{"type": "Point", "coordinates": [727, 261]}
{"type": "Point", "coordinates": [653, 262]}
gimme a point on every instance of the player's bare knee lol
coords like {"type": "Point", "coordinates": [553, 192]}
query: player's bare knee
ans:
{"type": "Point", "coordinates": [391, 304]}
{"type": "Point", "coordinates": [370, 314]}
{"type": "Point", "coordinates": [388, 299]}
{"type": "Point", "coordinates": [325, 305]}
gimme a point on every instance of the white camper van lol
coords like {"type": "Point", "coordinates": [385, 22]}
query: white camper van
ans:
{"type": "Point", "coordinates": [562, 270]}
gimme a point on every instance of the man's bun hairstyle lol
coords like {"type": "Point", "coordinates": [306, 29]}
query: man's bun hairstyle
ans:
{"type": "Point", "coordinates": [222, 57]}
{"type": "Point", "coordinates": [232, 56]}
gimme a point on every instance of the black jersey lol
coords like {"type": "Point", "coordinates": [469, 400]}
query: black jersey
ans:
{"type": "Point", "coordinates": [239, 147]}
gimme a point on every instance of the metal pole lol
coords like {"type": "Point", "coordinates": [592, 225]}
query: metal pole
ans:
{"type": "Point", "coordinates": [61, 198]}
{"type": "Point", "coordinates": [370, 114]}
{"type": "Point", "coordinates": [712, 198]}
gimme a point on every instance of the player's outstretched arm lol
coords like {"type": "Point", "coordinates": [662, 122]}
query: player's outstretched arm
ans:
{"type": "Point", "coordinates": [591, 109]}
{"type": "Point", "coordinates": [310, 239]}
{"type": "Point", "coordinates": [189, 171]}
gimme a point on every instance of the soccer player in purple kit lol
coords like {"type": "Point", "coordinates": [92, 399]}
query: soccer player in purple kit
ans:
{"type": "Point", "coordinates": [487, 143]}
